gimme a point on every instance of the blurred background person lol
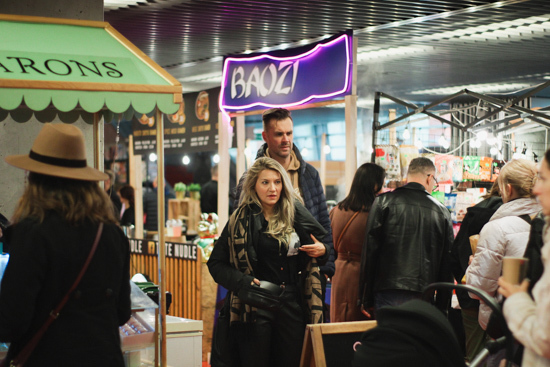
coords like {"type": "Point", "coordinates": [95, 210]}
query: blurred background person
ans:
{"type": "Point", "coordinates": [209, 193]}
{"type": "Point", "coordinates": [109, 186]}
{"type": "Point", "coordinates": [476, 217]}
{"type": "Point", "coordinates": [529, 318]}
{"type": "Point", "coordinates": [349, 222]}
{"type": "Point", "coordinates": [150, 201]}
{"type": "Point", "coordinates": [127, 197]}
{"type": "Point", "coordinates": [506, 234]}
{"type": "Point", "coordinates": [267, 238]}
{"type": "Point", "coordinates": [54, 227]}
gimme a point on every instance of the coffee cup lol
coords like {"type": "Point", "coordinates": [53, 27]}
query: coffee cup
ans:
{"type": "Point", "coordinates": [514, 269]}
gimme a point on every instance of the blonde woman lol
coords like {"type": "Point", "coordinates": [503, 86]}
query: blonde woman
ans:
{"type": "Point", "coordinates": [54, 226]}
{"type": "Point", "coordinates": [269, 238]}
{"type": "Point", "coordinates": [529, 319]}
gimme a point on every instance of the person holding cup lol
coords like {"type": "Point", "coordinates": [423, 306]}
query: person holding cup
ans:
{"type": "Point", "coordinates": [507, 232]}
{"type": "Point", "coordinates": [527, 318]}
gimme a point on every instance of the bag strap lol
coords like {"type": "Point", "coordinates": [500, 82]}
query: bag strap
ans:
{"type": "Point", "coordinates": [345, 229]}
{"type": "Point", "coordinates": [22, 357]}
{"type": "Point", "coordinates": [526, 217]}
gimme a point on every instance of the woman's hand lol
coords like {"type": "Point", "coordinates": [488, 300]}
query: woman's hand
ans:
{"type": "Point", "coordinates": [314, 250]}
{"type": "Point", "coordinates": [255, 281]}
{"type": "Point", "coordinates": [507, 288]}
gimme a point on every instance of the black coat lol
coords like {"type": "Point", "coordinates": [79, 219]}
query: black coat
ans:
{"type": "Point", "coordinates": [407, 243]}
{"type": "Point", "coordinates": [45, 259]}
{"type": "Point", "coordinates": [314, 200]}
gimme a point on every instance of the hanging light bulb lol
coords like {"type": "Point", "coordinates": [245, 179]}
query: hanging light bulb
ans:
{"type": "Point", "coordinates": [152, 157]}
{"type": "Point", "coordinates": [491, 139]}
{"type": "Point", "coordinates": [185, 160]}
{"type": "Point", "coordinates": [216, 158]}
{"type": "Point", "coordinates": [493, 151]}
{"type": "Point", "coordinates": [482, 135]}
{"type": "Point", "coordinates": [406, 133]}
{"type": "Point", "coordinates": [418, 143]}
{"type": "Point", "coordinates": [326, 149]}
{"type": "Point", "coordinates": [442, 141]}
{"type": "Point", "coordinates": [305, 152]}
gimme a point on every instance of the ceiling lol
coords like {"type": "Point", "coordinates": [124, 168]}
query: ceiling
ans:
{"type": "Point", "coordinates": [418, 51]}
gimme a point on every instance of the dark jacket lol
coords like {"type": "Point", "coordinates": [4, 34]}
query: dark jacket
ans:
{"type": "Point", "coordinates": [314, 200]}
{"type": "Point", "coordinates": [407, 243]}
{"type": "Point", "coordinates": [474, 220]}
{"type": "Point", "coordinates": [45, 259]}
{"type": "Point", "coordinates": [230, 277]}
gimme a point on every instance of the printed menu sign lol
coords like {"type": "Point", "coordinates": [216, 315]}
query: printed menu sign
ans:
{"type": "Point", "coordinates": [193, 128]}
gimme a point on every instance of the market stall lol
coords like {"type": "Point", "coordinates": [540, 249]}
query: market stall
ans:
{"type": "Point", "coordinates": [63, 65]}
{"type": "Point", "coordinates": [466, 140]}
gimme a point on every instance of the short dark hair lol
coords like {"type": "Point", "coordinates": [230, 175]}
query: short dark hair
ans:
{"type": "Point", "coordinates": [421, 165]}
{"type": "Point", "coordinates": [276, 114]}
{"type": "Point", "coordinates": [368, 180]}
{"type": "Point", "coordinates": [547, 157]}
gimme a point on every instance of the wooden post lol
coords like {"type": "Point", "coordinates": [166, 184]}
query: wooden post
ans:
{"type": "Point", "coordinates": [136, 181]}
{"type": "Point", "coordinates": [98, 144]}
{"type": "Point", "coordinates": [241, 162]}
{"type": "Point", "coordinates": [224, 143]}
{"type": "Point", "coordinates": [161, 242]}
{"type": "Point", "coordinates": [323, 170]}
{"type": "Point", "coordinates": [351, 123]}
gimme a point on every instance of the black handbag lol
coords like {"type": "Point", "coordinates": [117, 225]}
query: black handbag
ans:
{"type": "Point", "coordinates": [266, 296]}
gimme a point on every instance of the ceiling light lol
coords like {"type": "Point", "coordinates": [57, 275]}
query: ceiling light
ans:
{"type": "Point", "coordinates": [115, 4]}
{"type": "Point", "coordinates": [491, 140]}
{"type": "Point", "coordinates": [216, 158]}
{"type": "Point", "coordinates": [326, 149]}
{"type": "Point", "coordinates": [479, 88]}
{"type": "Point", "coordinates": [185, 160]}
{"type": "Point", "coordinates": [406, 133]}
{"type": "Point", "coordinates": [482, 135]}
{"type": "Point", "coordinates": [152, 157]}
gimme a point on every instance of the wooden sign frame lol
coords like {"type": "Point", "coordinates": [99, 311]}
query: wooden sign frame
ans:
{"type": "Point", "coordinates": [313, 350]}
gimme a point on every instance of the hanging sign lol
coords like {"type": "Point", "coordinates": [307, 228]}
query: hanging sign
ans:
{"type": "Point", "coordinates": [288, 78]}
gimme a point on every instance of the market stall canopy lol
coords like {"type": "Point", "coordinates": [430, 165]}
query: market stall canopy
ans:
{"type": "Point", "coordinates": [78, 64]}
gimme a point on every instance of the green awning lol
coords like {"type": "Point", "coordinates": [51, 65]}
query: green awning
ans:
{"type": "Point", "coordinates": [78, 64]}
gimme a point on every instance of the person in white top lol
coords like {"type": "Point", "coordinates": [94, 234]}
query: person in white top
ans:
{"type": "Point", "coordinates": [506, 233]}
{"type": "Point", "coordinates": [528, 319]}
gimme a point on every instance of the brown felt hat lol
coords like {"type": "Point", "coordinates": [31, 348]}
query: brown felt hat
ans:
{"type": "Point", "coordinates": [58, 150]}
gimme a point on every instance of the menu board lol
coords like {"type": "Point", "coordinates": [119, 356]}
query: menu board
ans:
{"type": "Point", "coordinates": [193, 128]}
{"type": "Point", "coordinates": [387, 157]}
{"type": "Point", "coordinates": [444, 168]}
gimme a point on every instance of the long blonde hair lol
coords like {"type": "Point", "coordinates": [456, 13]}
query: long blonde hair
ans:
{"type": "Point", "coordinates": [521, 174]}
{"type": "Point", "coordinates": [74, 200]}
{"type": "Point", "coordinates": [281, 223]}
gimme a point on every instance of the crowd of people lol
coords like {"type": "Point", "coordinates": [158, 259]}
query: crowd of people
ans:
{"type": "Point", "coordinates": [379, 251]}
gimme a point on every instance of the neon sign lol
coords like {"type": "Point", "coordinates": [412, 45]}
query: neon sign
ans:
{"type": "Point", "coordinates": [264, 81]}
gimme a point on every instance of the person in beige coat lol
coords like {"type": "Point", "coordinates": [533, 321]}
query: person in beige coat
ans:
{"type": "Point", "coordinates": [527, 318]}
{"type": "Point", "coordinates": [349, 222]}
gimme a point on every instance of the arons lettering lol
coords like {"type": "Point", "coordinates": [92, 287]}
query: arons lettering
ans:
{"type": "Point", "coordinates": [274, 78]}
{"type": "Point", "coordinates": [25, 65]}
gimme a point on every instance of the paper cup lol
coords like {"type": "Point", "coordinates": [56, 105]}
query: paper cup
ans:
{"type": "Point", "coordinates": [514, 269]}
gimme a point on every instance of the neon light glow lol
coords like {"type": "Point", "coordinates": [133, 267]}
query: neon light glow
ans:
{"type": "Point", "coordinates": [336, 84]}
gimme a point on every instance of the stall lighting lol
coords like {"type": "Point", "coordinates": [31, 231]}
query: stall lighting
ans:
{"type": "Point", "coordinates": [491, 140]}
{"type": "Point", "coordinates": [186, 160]}
{"type": "Point", "coordinates": [406, 134]}
{"type": "Point", "coordinates": [482, 135]}
{"type": "Point", "coordinates": [418, 144]}
{"type": "Point", "coordinates": [326, 149]}
{"type": "Point", "coordinates": [152, 157]}
{"type": "Point", "coordinates": [475, 143]}
{"type": "Point", "coordinates": [305, 152]}
{"type": "Point", "coordinates": [216, 158]}
{"type": "Point", "coordinates": [444, 142]}
{"type": "Point", "coordinates": [494, 151]}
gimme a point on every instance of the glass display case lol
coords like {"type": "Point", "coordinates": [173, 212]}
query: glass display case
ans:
{"type": "Point", "coordinates": [137, 336]}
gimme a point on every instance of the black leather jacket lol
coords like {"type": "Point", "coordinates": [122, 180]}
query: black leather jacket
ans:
{"type": "Point", "coordinates": [407, 244]}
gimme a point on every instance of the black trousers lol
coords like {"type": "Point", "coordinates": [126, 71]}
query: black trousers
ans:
{"type": "Point", "coordinates": [275, 339]}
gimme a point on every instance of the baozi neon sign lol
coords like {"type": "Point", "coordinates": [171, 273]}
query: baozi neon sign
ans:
{"type": "Point", "coordinates": [264, 81]}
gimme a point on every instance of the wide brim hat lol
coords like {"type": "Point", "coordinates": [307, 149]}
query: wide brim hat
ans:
{"type": "Point", "coordinates": [58, 150]}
